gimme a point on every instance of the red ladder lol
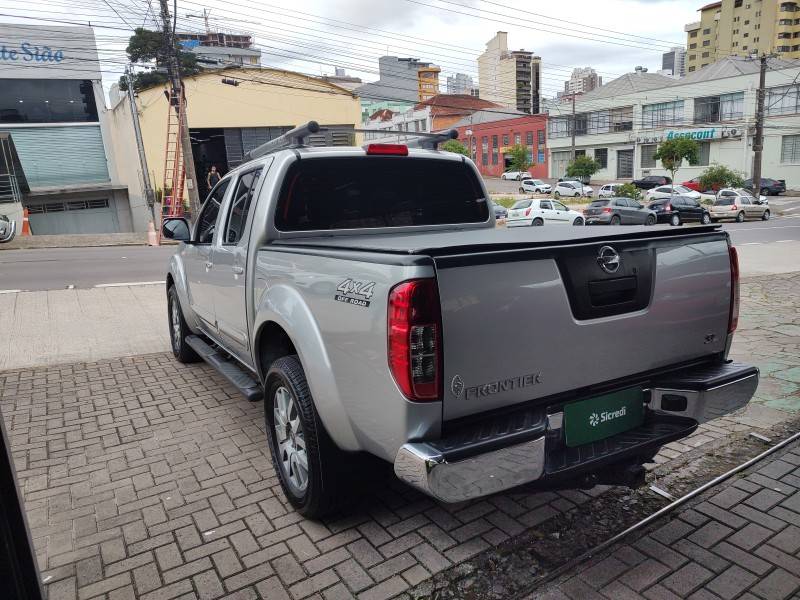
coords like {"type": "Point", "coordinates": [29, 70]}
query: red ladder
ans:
{"type": "Point", "coordinates": [174, 170]}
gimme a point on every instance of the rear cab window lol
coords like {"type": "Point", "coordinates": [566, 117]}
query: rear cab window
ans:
{"type": "Point", "coordinates": [598, 203]}
{"type": "Point", "coordinates": [726, 201]}
{"type": "Point", "coordinates": [380, 191]}
{"type": "Point", "coordinates": [522, 204]}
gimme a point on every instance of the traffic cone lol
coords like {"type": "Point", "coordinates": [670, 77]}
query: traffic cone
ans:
{"type": "Point", "coordinates": [152, 236]}
{"type": "Point", "coordinates": [26, 224]}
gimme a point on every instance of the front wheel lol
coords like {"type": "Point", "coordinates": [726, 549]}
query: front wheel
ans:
{"type": "Point", "coordinates": [765, 216]}
{"type": "Point", "coordinates": [578, 221]}
{"type": "Point", "coordinates": [651, 220]}
{"type": "Point", "coordinates": [675, 220]}
{"type": "Point", "coordinates": [178, 329]}
{"type": "Point", "coordinates": [537, 222]}
{"type": "Point", "coordinates": [705, 219]}
{"type": "Point", "coordinates": [307, 462]}
{"type": "Point", "coordinates": [557, 195]}
{"type": "Point", "coordinates": [740, 217]}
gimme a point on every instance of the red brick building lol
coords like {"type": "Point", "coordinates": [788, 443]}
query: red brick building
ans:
{"type": "Point", "coordinates": [488, 134]}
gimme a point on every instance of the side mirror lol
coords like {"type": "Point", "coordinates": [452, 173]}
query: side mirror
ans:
{"type": "Point", "coordinates": [176, 228]}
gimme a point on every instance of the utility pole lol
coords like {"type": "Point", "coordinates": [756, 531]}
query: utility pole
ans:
{"type": "Point", "coordinates": [173, 71]}
{"type": "Point", "coordinates": [573, 123]}
{"type": "Point", "coordinates": [758, 141]}
{"type": "Point", "coordinates": [149, 196]}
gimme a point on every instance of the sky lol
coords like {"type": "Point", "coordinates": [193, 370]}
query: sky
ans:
{"type": "Point", "coordinates": [315, 36]}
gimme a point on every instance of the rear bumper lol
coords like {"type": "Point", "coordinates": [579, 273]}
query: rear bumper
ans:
{"type": "Point", "coordinates": [526, 222]}
{"type": "Point", "coordinates": [603, 219]}
{"type": "Point", "coordinates": [501, 452]}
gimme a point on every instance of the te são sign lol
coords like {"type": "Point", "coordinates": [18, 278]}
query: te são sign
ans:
{"type": "Point", "coordinates": [30, 52]}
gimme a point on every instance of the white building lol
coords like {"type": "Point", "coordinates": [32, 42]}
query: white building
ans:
{"type": "Point", "coordinates": [622, 123]}
{"type": "Point", "coordinates": [674, 62]}
{"type": "Point", "coordinates": [459, 84]}
{"type": "Point", "coordinates": [509, 79]}
{"type": "Point", "coordinates": [412, 120]}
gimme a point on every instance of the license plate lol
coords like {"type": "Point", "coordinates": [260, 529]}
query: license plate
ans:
{"type": "Point", "coordinates": [603, 416]}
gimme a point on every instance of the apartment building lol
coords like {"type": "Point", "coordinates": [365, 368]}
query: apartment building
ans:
{"type": "Point", "coordinates": [581, 81]}
{"type": "Point", "coordinates": [509, 78]}
{"type": "Point", "coordinates": [622, 123]}
{"type": "Point", "coordinates": [743, 28]}
{"type": "Point", "coordinates": [674, 62]}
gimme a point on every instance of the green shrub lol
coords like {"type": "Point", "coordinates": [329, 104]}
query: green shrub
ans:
{"type": "Point", "coordinates": [628, 190]}
{"type": "Point", "coordinates": [719, 176]}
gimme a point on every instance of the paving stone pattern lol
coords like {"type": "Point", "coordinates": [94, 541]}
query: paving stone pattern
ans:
{"type": "Point", "coordinates": [146, 478]}
{"type": "Point", "coordinates": [742, 541]}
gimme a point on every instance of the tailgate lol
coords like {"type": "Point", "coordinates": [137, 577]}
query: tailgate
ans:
{"type": "Point", "coordinates": [526, 324]}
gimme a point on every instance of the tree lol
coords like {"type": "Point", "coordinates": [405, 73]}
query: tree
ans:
{"type": "Point", "coordinates": [520, 160]}
{"type": "Point", "coordinates": [719, 176]}
{"type": "Point", "coordinates": [454, 146]}
{"type": "Point", "coordinates": [673, 152]}
{"type": "Point", "coordinates": [583, 167]}
{"type": "Point", "coordinates": [146, 47]}
{"type": "Point", "coordinates": [628, 190]}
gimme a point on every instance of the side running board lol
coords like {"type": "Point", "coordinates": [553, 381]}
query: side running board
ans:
{"type": "Point", "coordinates": [241, 379]}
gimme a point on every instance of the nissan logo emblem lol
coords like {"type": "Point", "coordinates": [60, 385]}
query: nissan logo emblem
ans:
{"type": "Point", "coordinates": [608, 259]}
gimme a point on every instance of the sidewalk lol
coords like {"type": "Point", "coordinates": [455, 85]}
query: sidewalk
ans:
{"type": "Point", "coordinates": [739, 540]}
{"type": "Point", "coordinates": [76, 240]}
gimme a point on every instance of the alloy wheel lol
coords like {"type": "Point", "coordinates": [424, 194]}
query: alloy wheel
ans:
{"type": "Point", "coordinates": [175, 318]}
{"type": "Point", "coordinates": [290, 439]}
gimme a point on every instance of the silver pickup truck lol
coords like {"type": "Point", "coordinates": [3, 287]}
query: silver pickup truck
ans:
{"type": "Point", "coordinates": [365, 294]}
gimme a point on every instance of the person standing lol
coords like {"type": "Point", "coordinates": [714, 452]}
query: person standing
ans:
{"type": "Point", "coordinates": [213, 177]}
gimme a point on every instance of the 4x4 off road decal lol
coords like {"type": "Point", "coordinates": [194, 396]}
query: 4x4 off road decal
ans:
{"type": "Point", "coordinates": [355, 292]}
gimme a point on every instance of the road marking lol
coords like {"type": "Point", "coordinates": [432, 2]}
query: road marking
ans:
{"type": "Point", "coordinates": [129, 284]}
{"type": "Point", "coordinates": [751, 244]}
{"type": "Point", "coordinates": [784, 241]}
{"type": "Point", "coordinates": [791, 209]}
{"type": "Point", "coordinates": [11, 291]}
{"type": "Point", "coordinates": [763, 228]}
{"type": "Point", "coordinates": [71, 286]}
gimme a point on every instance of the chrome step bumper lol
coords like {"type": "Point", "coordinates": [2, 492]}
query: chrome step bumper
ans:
{"type": "Point", "coordinates": [528, 445]}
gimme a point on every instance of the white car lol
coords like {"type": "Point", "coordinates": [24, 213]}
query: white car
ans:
{"type": "Point", "coordinates": [533, 212]}
{"type": "Point", "coordinates": [573, 189]}
{"type": "Point", "coordinates": [534, 186]}
{"type": "Point", "coordinates": [517, 175]}
{"type": "Point", "coordinates": [666, 191]}
{"type": "Point", "coordinates": [609, 190]}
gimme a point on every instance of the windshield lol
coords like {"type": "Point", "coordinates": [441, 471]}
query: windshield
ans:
{"type": "Point", "coordinates": [522, 204]}
{"type": "Point", "coordinates": [355, 193]}
{"type": "Point", "coordinates": [724, 201]}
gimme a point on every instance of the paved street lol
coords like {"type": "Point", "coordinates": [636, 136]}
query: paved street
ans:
{"type": "Point", "coordinates": [146, 478]}
{"type": "Point", "coordinates": [740, 540]}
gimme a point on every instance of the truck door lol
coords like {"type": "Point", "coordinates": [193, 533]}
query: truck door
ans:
{"type": "Point", "coordinates": [230, 266]}
{"type": "Point", "coordinates": [198, 259]}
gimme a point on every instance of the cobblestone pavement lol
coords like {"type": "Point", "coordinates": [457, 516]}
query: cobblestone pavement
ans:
{"type": "Point", "coordinates": [146, 478]}
{"type": "Point", "coordinates": [740, 540]}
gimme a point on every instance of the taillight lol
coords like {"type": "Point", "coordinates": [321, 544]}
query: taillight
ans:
{"type": "Point", "coordinates": [415, 341]}
{"type": "Point", "coordinates": [607, 209]}
{"type": "Point", "coordinates": [387, 149]}
{"type": "Point", "coordinates": [733, 317]}
{"type": "Point", "coordinates": [668, 207]}
{"type": "Point", "coordinates": [734, 207]}
{"type": "Point", "coordinates": [527, 212]}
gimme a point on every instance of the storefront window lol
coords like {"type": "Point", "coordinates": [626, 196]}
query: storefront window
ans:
{"type": "Point", "coordinates": [713, 109]}
{"type": "Point", "coordinates": [48, 101]}
{"type": "Point", "coordinates": [704, 154]}
{"type": "Point", "coordinates": [495, 151]}
{"type": "Point", "coordinates": [601, 156]}
{"type": "Point", "coordinates": [648, 156]}
{"type": "Point", "coordinates": [485, 150]}
{"type": "Point", "coordinates": [790, 149]}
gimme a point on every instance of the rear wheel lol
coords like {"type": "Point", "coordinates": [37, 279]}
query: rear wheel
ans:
{"type": "Point", "coordinates": [557, 195]}
{"type": "Point", "coordinates": [705, 219]}
{"type": "Point", "coordinates": [740, 217]}
{"type": "Point", "coordinates": [310, 467]}
{"type": "Point", "coordinates": [578, 221]}
{"type": "Point", "coordinates": [537, 222]}
{"type": "Point", "coordinates": [178, 329]}
{"type": "Point", "coordinates": [765, 216]}
{"type": "Point", "coordinates": [615, 220]}
{"type": "Point", "coordinates": [651, 220]}
{"type": "Point", "coordinates": [521, 190]}
{"type": "Point", "coordinates": [675, 219]}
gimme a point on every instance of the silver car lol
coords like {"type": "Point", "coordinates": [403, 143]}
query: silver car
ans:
{"type": "Point", "coordinates": [8, 229]}
{"type": "Point", "coordinates": [618, 211]}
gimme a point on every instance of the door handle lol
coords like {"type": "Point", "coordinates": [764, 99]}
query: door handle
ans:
{"type": "Point", "coordinates": [209, 265]}
{"type": "Point", "coordinates": [237, 270]}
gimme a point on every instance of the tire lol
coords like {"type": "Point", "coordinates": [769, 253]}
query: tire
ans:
{"type": "Point", "coordinates": [705, 219]}
{"type": "Point", "coordinates": [765, 216]}
{"type": "Point", "coordinates": [578, 222]}
{"type": "Point", "coordinates": [537, 222]}
{"type": "Point", "coordinates": [178, 329]}
{"type": "Point", "coordinates": [740, 217]}
{"type": "Point", "coordinates": [318, 489]}
{"type": "Point", "coordinates": [557, 195]}
{"type": "Point", "coordinates": [675, 220]}
{"type": "Point", "coordinates": [521, 190]}
{"type": "Point", "coordinates": [650, 220]}
{"type": "Point", "coordinates": [615, 220]}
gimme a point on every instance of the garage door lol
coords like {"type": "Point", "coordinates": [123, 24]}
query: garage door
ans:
{"type": "Point", "coordinates": [72, 216]}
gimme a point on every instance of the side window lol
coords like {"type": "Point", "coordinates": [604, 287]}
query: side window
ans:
{"type": "Point", "coordinates": [240, 207]}
{"type": "Point", "coordinates": [559, 206]}
{"type": "Point", "coordinates": [744, 200]}
{"type": "Point", "coordinates": [545, 205]}
{"type": "Point", "coordinates": [568, 186]}
{"type": "Point", "coordinates": [207, 221]}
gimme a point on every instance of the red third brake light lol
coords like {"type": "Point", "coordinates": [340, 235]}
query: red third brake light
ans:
{"type": "Point", "coordinates": [733, 317]}
{"type": "Point", "coordinates": [414, 324]}
{"type": "Point", "coordinates": [387, 149]}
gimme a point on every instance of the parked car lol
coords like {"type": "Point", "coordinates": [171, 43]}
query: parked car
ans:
{"type": "Point", "coordinates": [533, 211]}
{"type": "Point", "coordinates": [389, 352]}
{"type": "Point", "coordinates": [618, 211]}
{"type": "Point", "coordinates": [739, 204]}
{"type": "Point", "coordinates": [666, 191]}
{"type": "Point", "coordinates": [7, 229]}
{"type": "Point", "coordinates": [680, 209]}
{"type": "Point", "coordinates": [769, 187]}
{"type": "Point", "coordinates": [608, 190]}
{"type": "Point", "coordinates": [534, 186]}
{"type": "Point", "coordinates": [651, 181]}
{"type": "Point", "coordinates": [572, 189]}
{"type": "Point", "coordinates": [516, 175]}
{"type": "Point", "coordinates": [500, 211]}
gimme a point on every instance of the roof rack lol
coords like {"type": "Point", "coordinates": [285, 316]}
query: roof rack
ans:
{"type": "Point", "coordinates": [429, 141]}
{"type": "Point", "coordinates": [291, 139]}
